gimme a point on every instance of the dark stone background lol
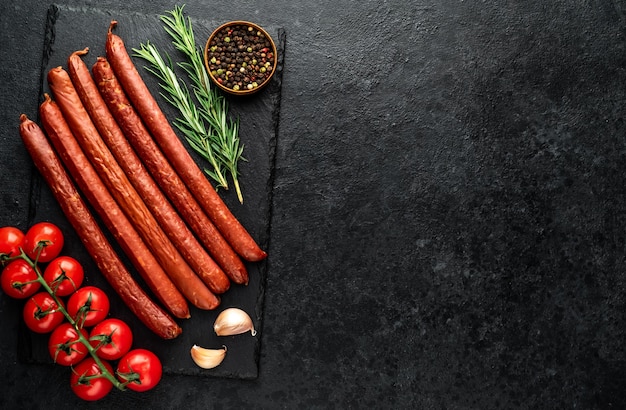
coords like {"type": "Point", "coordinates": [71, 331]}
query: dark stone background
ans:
{"type": "Point", "coordinates": [448, 211]}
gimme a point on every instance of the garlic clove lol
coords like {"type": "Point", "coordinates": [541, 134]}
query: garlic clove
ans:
{"type": "Point", "coordinates": [233, 321]}
{"type": "Point", "coordinates": [207, 358]}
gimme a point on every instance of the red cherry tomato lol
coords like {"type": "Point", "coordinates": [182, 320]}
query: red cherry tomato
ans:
{"type": "Point", "coordinates": [45, 236]}
{"type": "Point", "coordinates": [64, 275]}
{"type": "Point", "coordinates": [19, 279]}
{"type": "Point", "coordinates": [11, 239]}
{"type": "Point", "coordinates": [88, 306]}
{"type": "Point", "coordinates": [41, 313]}
{"type": "Point", "coordinates": [141, 368]}
{"type": "Point", "coordinates": [112, 338]}
{"type": "Point", "coordinates": [65, 346]}
{"type": "Point", "coordinates": [86, 387]}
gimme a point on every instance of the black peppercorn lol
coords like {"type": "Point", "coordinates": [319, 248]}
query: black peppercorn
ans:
{"type": "Point", "coordinates": [243, 56]}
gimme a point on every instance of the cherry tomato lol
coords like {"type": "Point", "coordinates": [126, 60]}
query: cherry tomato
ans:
{"type": "Point", "coordinates": [41, 313]}
{"type": "Point", "coordinates": [47, 236]}
{"type": "Point", "coordinates": [19, 280]}
{"type": "Point", "coordinates": [88, 306]}
{"type": "Point", "coordinates": [87, 387]}
{"type": "Point", "coordinates": [64, 275]}
{"type": "Point", "coordinates": [11, 239]}
{"type": "Point", "coordinates": [141, 368]}
{"type": "Point", "coordinates": [65, 347]}
{"type": "Point", "coordinates": [112, 338]}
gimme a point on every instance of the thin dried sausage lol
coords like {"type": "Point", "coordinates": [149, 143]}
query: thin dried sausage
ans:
{"type": "Point", "coordinates": [152, 157]}
{"type": "Point", "coordinates": [127, 197]}
{"type": "Point", "coordinates": [109, 211]}
{"type": "Point", "coordinates": [146, 187]}
{"type": "Point", "coordinates": [138, 93]}
{"type": "Point", "coordinates": [90, 234]}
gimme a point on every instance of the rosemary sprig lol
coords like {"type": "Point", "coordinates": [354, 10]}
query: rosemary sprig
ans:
{"type": "Point", "coordinates": [190, 123]}
{"type": "Point", "coordinates": [212, 105]}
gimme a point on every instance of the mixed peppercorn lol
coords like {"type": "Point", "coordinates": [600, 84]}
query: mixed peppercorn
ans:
{"type": "Point", "coordinates": [240, 57]}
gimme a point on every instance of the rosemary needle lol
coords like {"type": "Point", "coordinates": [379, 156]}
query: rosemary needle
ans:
{"type": "Point", "coordinates": [213, 106]}
{"type": "Point", "coordinates": [190, 123]}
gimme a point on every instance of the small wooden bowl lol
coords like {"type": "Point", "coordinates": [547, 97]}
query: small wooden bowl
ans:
{"type": "Point", "coordinates": [252, 69]}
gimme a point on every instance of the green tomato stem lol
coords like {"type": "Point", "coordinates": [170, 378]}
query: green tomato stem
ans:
{"type": "Point", "coordinates": [104, 372]}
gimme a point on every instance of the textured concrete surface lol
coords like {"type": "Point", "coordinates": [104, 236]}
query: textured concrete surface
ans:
{"type": "Point", "coordinates": [448, 211]}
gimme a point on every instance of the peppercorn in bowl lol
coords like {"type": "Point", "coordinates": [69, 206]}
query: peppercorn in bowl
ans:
{"type": "Point", "coordinates": [240, 57]}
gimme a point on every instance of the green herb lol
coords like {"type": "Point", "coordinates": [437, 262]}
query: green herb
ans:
{"type": "Point", "coordinates": [190, 123]}
{"type": "Point", "coordinates": [219, 141]}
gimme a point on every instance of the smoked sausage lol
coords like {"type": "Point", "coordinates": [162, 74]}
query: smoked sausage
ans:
{"type": "Point", "coordinates": [109, 211]}
{"type": "Point", "coordinates": [124, 193]}
{"type": "Point", "coordinates": [148, 109]}
{"type": "Point", "coordinates": [94, 240]}
{"type": "Point", "coordinates": [175, 189]}
{"type": "Point", "coordinates": [144, 184]}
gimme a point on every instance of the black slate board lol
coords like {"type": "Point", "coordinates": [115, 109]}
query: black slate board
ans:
{"type": "Point", "coordinates": [70, 29]}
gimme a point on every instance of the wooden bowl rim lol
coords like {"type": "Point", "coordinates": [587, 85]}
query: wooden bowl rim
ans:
{"type": "Point", "coordinates": [206, 60]}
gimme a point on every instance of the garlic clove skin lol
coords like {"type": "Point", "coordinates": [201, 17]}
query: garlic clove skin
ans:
{"type": "Point", "coordinates": [233, 321]}
{"type": "Point", "coordinates": [207, 358]}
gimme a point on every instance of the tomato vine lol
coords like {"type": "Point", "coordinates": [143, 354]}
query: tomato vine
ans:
{"type": "Point", "coordinates": [92, 376]}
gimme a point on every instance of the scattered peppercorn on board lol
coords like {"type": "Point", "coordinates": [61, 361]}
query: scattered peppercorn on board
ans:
{"type": "Point", "coordinates": [70, 29]}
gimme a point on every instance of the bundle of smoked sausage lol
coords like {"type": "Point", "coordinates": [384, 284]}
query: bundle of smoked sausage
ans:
{"type": "Point", "coordinates": [133, 169]}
